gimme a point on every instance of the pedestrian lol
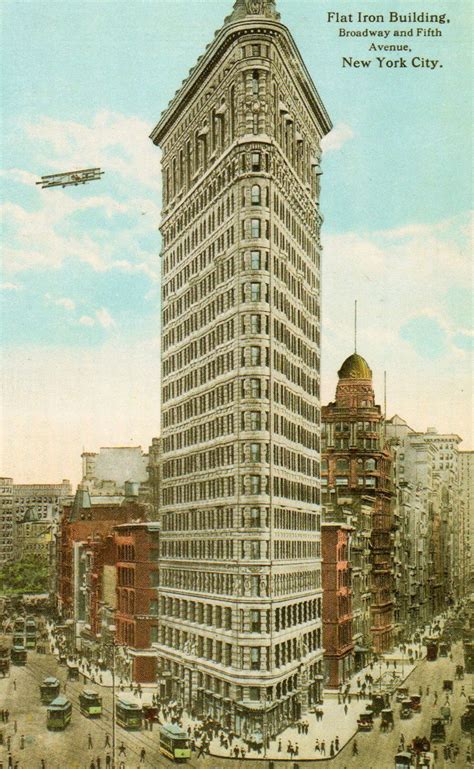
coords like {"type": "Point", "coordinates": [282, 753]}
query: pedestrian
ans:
{"type": "Point", "coordinates": [14, 685]}
{"type": "Point", "coordinates": [43, 764]}
{"type": "Point", "coordinates": [89, 741]}
{"type": "Point", "coordinates": [323, 748]}
{"type": "Point", "coordinates": [355, 749]}
{"type": "Point", "coordinates": [336, 744]}
{"type": "Point", "coordinates": [107, 741]}
{"type": "Point", "coordinates": [108, 761]}
{"type": "Point", "coordinates": [97, 761]}
{"type": "Point", "coordinates": [331, 750]}
{"type": "Point", "coordinates": [22, 742]}
{"type": "Point", "coordinates": [345, 710]}
{"type": "Point", "coordinates": [142, 756]}
{"type": "Point", "coordinates": [316, 746]}
{"type": "Point", "coordinates": [278, 748]}
{"type": "Point", "coordinates": [92, 764]}
{"type": "Point", "coordinates": [296, 749]}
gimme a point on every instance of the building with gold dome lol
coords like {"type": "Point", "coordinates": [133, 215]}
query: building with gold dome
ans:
{"type": "Point", "coordinates": [356, 473]}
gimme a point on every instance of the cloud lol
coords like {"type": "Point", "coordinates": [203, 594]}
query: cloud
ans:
{"type": "Point", "coordinates": [104, 318]}
{"type": "Point", "coordinates": [19, 175]}
{"type": "Point", "coordinates": [63, 301]}
{"type": "Point", "coordinates": [86, 320]}
{"type": "Point", "coordinates": [335, 139]}
{"type": "Point", "coordinates": [11, 286]}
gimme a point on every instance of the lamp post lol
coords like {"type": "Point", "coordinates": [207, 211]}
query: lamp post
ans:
{"type": "Point", "coordinates": [114, 715]}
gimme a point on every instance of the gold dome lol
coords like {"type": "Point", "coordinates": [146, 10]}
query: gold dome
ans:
{"type": "Point", "coordinates": [355, 367]}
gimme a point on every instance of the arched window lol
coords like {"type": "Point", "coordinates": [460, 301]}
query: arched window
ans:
{"type": "Point", "coordinates": [256, 197]}
{"type": "Point", "coordinates": [370, 465]}
{"type": "Point", "coordinates": [342, 466]}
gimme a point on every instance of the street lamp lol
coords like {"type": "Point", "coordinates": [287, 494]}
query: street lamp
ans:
{"type": "Point", "coordinates": [114, 715]}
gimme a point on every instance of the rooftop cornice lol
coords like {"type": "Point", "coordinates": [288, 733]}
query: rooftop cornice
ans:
{"type": "Point", "coordinates": [223, 38]}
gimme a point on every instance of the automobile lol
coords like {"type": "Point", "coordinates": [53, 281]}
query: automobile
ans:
{"type": "Point", "coordinates": [386, 722]}
{"type": "Point", "coordinates": [403, 760]}
{"type": "Point", "coordinates": [443, 650]}
{"type": "Point", "coordinates": [406, 709]}
{"type": "Point", "coordinates": [378, 703]}
{"type": "Point", "coordinates": [438, 730]}
{"type": "Point", "coordinates": [415, 702]}
{"type": "Point", "coordinates": [401, 693]}
{"type": "Point", "coordinates": [365, 722]}
{"type": "Point", "coordinates": [459, 672]}
{"type": "Point", "coordinates": [426, 761]}
{"type": "Point", "coordinates": [448, 685]}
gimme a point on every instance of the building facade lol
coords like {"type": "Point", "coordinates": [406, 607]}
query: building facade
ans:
{"type": "Point", "coordinates": [337, 601]}
{"type": "Point", "coordinates": [466, 483]}
{"type": "Point", "coordinates": [240, 579]}
{"type": "Point", "coordinates": [136, 618]}
{"type": "Point", "coordinates": [6, 520]}
{"type": "Point", "coordinates": [357, 465]}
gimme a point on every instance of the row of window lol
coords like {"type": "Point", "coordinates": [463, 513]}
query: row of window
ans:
{"type": "Point", "coordinates": [295, 461]}
{"type": "Point", "coordinates": [213, 583]}
{"type": "Point", "coordinates": [295, 403]}
{"type": "Point", "coordinates": [295, 344]}
{"type": "Point", "coordinates": [248, 517]}
{"type": "Point", "coordinates": [221, 456]}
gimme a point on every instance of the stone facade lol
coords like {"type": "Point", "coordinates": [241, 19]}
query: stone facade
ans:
{"type": "Point", "coordinates": [466, 482]}
{"type": "Point", "coordinates": [240, 590]}
{"type": "Point", "coordinates": [357, 466]}
{"type": "Point", "coordinates": [6, 519]}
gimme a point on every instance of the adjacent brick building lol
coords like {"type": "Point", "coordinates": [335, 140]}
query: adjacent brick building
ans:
{"type": "Point", "coordinates": [356, 465]}
{"type": "Point", "coordinates": [337, 602]}
{"type": "Point", "coordinates": [136, 619]}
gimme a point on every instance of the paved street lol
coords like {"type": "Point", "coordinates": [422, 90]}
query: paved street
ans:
{"type": "Point", "coordinates": [69, 749]}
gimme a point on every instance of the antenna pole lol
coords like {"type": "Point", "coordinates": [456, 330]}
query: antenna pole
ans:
{"type": "Point", "coordinates": [355, 325]}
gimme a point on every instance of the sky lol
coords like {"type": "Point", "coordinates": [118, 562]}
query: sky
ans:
{"type": "Point", "coordinates": [84, 83]}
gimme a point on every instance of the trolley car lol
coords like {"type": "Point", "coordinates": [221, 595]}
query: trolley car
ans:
{"type": "Point", "coordinates": [90, 703]}
{"type": "Point", "coordinates": [18, 655]}
{"type": "Point", "coordinates": [49, 690]}
{"type": "Point", "coordinates": [58, 714]}
{"type": "Point", "coordinates": [129, 713]}
{"type": "Point", "coordinates": [174, 743]}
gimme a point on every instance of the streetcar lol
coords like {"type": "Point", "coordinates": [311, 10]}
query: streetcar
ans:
{"type": "Point", "coordinates": [4, 658]}
{"type": "Point", "coordinates": [90, 703]}
{"type": "Point", "coordinates": [49, 690]}
{"type": "Point", "coordinates": [19, 625]}
{"type": "Point", "coordinates": [469, 657]}
{"type": "Point", "coordinates": [128, 712]}
{"type": "Point", "coordinates": [30, 633]}
{"type": "Point", "coordinates": [72, 671]}
{"type": "Point", "coordinates": [58, 715]}
{"type": "Point", "coordinates": [174, 743]}
{"type": "Point", "coordinates": [18, 655]}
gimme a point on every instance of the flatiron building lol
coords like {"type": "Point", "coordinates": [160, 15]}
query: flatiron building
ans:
{"type": "Point", "coordinates": [240, 568]}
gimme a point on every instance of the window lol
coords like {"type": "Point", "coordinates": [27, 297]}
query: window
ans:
{"type": "Point", "coordinates": [255, 82]}
{"type": "Point", "coordinates": [255, 516]}
{"type": "Point", "coordinates": [255, 292]}
{"type": "Point", "coordinates": [255, 324]}
{"type": "Point", "coordinates": [255, 658]}
{"type": "Point", "coordinates": [154, 578]}
{"type": "Point", "coordinates": [256, 196]}
{"type": "Point", "coordinates": [255, 484]}
{"type": "Point", "coordinates": [371, 482]}
{"type": "Point", "coordinates": [255, 228]}
{"type": "Point", "coordinates": [255, 420]}
{"type": "Point", "coordinates": [254, 550]}
{"type": "Point", "coordinates": [154, 638]}
{"type": "Point", "coordinates": [255, 260]}
{"type": "Point", "coordinates": [255, 624]}
{"type": "Point", "coordinates": [255, 452]}
{"type": "Point", "coordinates": [256, 50]}
{"type": "Point", "coordinates": [342, 466]}
{"type": "Point", "coordinates": [340, 481]}
{"type": "Point", "coordinates": [324, 465]}
{"type": "Point", "coordinates": [153, 607]}
{"type": "Point", "coordinates": [370, 465]}
{"type": "Point", "coordinates": [255, 388]}
{"type": "Point", "coordinates": [255, 356]}
{"type": "Point", "coordinates": [256, 161]}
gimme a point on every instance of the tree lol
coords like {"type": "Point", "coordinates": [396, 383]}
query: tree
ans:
{"type": "Point", "coordinates": [28, 575]}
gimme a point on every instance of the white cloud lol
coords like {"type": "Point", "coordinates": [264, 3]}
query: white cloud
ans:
{"type": "Point", "coordinates": [86, 320]}
{"type": "Point", "coordinates": [335, 139]}
{"type": "Point", "coordinates": [104, 318]}
{"type": "Point", "coordinates": [8, 286]}
{"type": "Point", "coordinates": [19, 175]}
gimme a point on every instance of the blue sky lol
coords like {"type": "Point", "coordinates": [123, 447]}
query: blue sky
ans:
{"type": "Point", "coordinates": [83, 85]}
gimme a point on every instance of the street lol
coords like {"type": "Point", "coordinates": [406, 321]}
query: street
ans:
{"type": "Point", "coordinates": [70, 749]}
